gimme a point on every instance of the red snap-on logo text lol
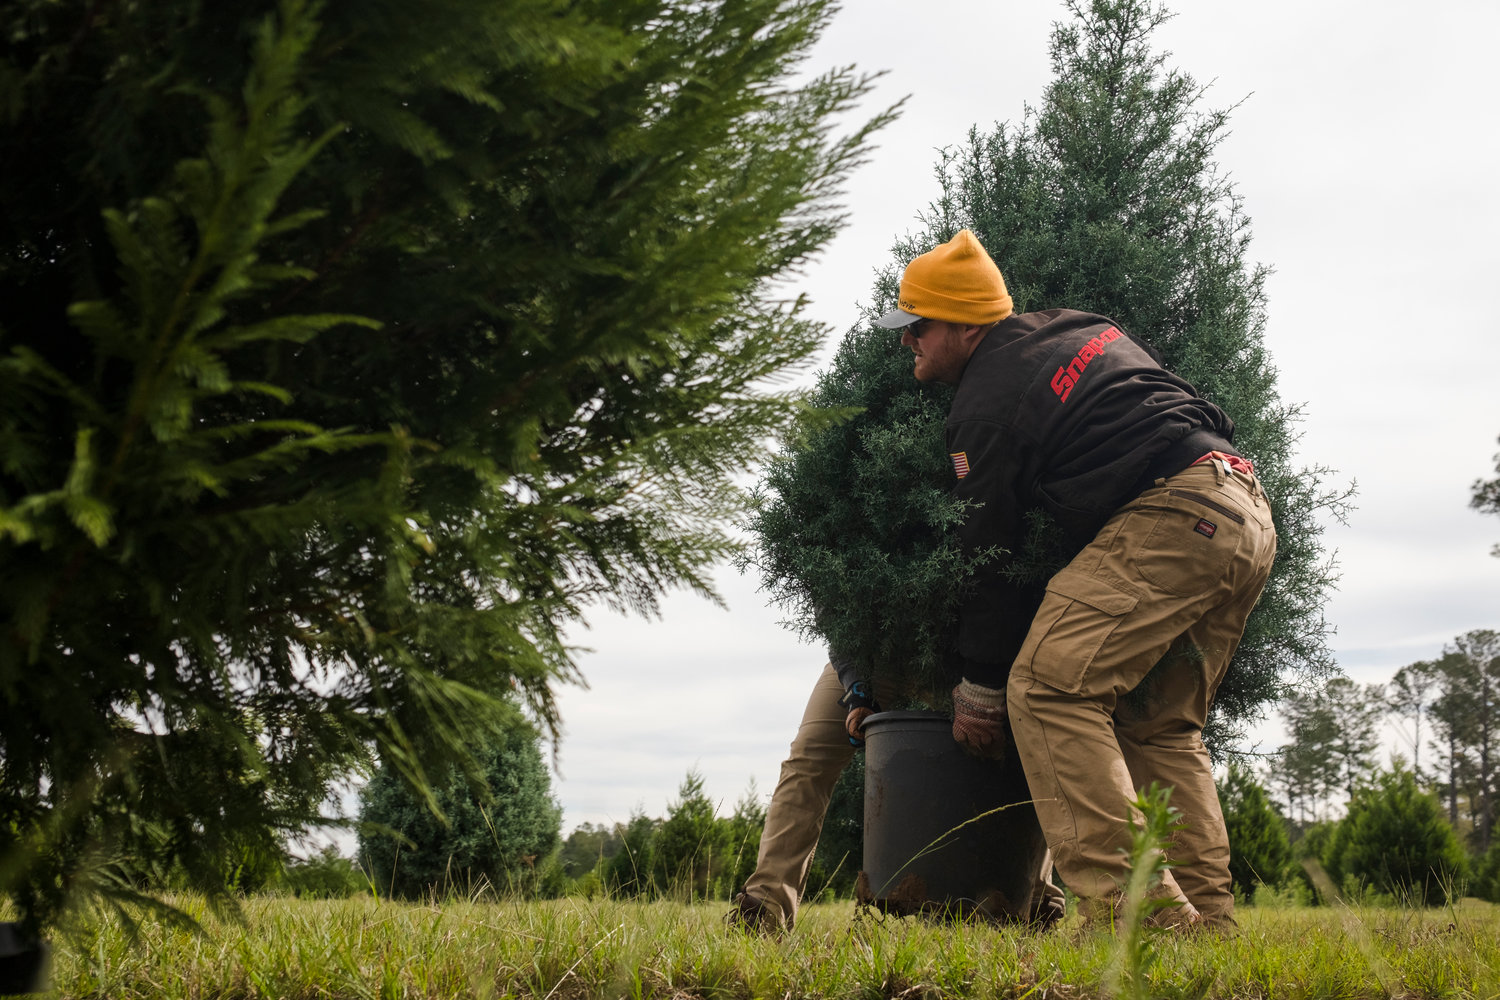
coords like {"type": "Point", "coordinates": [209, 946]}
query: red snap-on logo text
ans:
{"type": "Point", "coordinates": [1067, 376]}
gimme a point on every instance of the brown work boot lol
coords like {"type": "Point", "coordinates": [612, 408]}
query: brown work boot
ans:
{"type": "Point", "coordinates": [750, 914]}
{"type": "Point", "coordinates": [1183, 918]}
{"type": "Point", "coordinates": [1047, 905]}
{"type": "Point", "coordinates": [1104, 912]}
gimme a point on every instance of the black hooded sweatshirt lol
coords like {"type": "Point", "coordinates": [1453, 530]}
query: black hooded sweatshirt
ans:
{"type": "Point", "coordinates": [1063, 411]}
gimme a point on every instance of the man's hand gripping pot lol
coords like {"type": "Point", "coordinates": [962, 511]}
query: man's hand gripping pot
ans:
{"type": "Point", "coordinates": [860, 705]}
{"type": "Point", "coordinates": [979, 719]}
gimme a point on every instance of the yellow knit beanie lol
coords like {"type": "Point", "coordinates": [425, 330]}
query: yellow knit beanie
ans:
{"type": "Point", "coordinates": [955, 283]}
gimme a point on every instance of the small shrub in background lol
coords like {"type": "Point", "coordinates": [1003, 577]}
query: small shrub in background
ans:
{"type": "Point", "coordinates": [494, 828]}
{"type": "Point", "coordinates": [1395, 840]}
{"type": "Point", "coordinates": [1259, 849]}
{"type": "Point", "coordinates": [841, 847]}
{"type": "Point", "coordinates": [1486, 869]}
{"type": "Point", "coordinates": [692, 843]}
{"type": "Point", "coordinates": [1311, 848]}
{"type": "Point", "coordinates": [325, 875]}
{"type": "Point", "coordinates": [745, 828]}
{"type": "Point", "coordinates": [630, 871]}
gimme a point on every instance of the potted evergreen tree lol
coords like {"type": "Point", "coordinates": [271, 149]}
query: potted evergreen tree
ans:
{"type": "Point", "coordinates": [854, 539]}
{"type": "Point", "coordinates": [1105, 198]}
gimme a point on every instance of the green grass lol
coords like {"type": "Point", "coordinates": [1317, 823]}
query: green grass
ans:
{"type": "Point", "coordinates": [575, 949]}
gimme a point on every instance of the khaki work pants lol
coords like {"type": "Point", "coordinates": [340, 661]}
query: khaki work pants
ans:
{"type": "Point", "coordinates": [794, 820]}
{"type": "Point", "coordinates": [1171, 577]}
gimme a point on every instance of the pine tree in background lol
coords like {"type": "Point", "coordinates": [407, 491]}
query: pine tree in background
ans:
{"type": "Point", "coordinates": [586, 849]}
{"type": "Point", "coordinates": [742, 837]}
{"type": "Point", "coordinates": [1259, 849]}
{"type": "Point", "coordinates": [348, 353]}
{"type": "Point", "coordinates": [1394, 839]}
{"type": "Point", "coordinates": [1465, 718]}
{"type": "Point", "coordinates": [492, 835]}
{"type": "Point", "coordinates": [690, 849]}
{"type": "Point", "coordinates": [1304, 769]}
{"type": "Point", "coordinates": [631, 870]}
{"type": "Point", "coordinates": [841, 847]}
{"type": "Point", "coordinates": [1410, 697]}
{"type": "Point", "coordinates": [1334, 738]}
{"type": "Point", "coordinates": [1486, 498]}
{"type": "Point", "coordinates": [1107, 198]}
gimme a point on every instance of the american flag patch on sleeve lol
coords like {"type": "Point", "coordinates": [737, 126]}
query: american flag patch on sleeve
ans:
{"type": "Point", "coordinates": [960, 463]}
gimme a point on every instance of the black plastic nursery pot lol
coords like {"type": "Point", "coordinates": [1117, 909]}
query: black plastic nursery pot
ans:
{"type": "Point", "coordinates": [946, 833]}
{"type": "Point", "coordinates": [23, 962]}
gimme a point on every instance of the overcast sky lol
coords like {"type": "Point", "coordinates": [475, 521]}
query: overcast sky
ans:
{"type": "Point", "coordinates": [1365, 151]}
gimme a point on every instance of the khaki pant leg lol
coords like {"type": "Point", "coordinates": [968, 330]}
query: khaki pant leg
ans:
{"type": "Point", "coordinates": [1107, 619]}
{"type": "Point", "coordinates": [1156, 751]}
{"type": "Point", "coordinates": [794, 819]}
{"type": "Point", "coordinates": [1175, 756]}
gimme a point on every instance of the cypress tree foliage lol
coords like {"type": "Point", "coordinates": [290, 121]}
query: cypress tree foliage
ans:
{"type": "Point", "coordinates": [1105, 198]}
{"type": "Point", "coordinates": [348, 353]}
{"type": "Point", "coordinates": [491, 834]}
{"type": "Point", "coordinates": [1259, 848]}
{"type": "Point", "coordinates": [854, 523]}
{"type": "Point", "coordinates": [1395, 839]}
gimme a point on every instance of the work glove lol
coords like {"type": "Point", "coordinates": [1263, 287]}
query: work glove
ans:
{"type": "Point", "coordinates": [979, 719]}
{"type": "Point", "coordinates": [860, 705]}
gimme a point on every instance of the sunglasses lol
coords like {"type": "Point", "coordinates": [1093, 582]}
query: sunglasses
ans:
{"type": "Point", "coordinates": [915, 329]}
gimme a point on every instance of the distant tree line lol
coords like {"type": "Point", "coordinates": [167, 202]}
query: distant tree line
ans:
{"type": "Point", "coordinates": [1447, 712]}
{"type": "Point", "coordinates": [500, 837]}
{"type": "Point", "coordinates": [697, 853]}
{"type": "Point", "coordinates": [1319, 818]}
{"type": "Point", "coordinates": [1420, 829]}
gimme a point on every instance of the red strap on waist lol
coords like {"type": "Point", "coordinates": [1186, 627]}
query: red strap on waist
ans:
{"type": "Point", "coordinates": [1234, 462]}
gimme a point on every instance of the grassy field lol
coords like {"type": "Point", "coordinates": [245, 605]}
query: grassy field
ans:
{"type": "Point", "coordinates": [574, 949]}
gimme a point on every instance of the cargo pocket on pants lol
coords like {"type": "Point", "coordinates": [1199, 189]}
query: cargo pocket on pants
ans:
{"type": "Point", "coordinates": [1078, 614]}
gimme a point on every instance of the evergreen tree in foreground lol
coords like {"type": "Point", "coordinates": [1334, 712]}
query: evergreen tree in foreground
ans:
{"type": "Point", "coordinates": [348, 353]}
{"type": "Point", "coordinates": [1106, 198]}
